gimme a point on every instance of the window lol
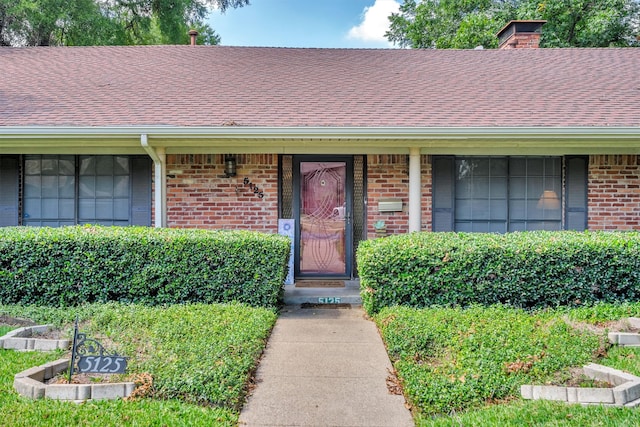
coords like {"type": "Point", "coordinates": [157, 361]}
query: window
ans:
{"type": "Point", "coordinates": [49, 190]}
{"type": "Point", "coordinates": [502, 194]}
{"type": "Point", "coordinates": [67, 190]}
{"type": "Point", "coordinates": [103, 191]}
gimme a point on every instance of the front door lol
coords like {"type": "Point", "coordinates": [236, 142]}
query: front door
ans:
{"type": "Point", "coordinates": [322, 209]}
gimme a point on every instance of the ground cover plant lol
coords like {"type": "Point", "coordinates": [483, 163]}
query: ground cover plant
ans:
{"type": "Point", "coordinates": [68, 266]}
{"type": "Point", "coordinates": [464, 366]}
{"type": "Point", "coordinates": [201, 358]}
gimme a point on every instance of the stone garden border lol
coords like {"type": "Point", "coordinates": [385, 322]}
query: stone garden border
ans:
{"type": "Point", "coordinates": [31, 384]}
{"type": "Point", "coordinates": [626, 390]}
{"type": "Point", "coordinates": [26, 339]}
{"type": "Point", "coordinates": [627, 339]}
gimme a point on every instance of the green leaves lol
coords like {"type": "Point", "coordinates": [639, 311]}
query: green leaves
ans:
{"type": "Point", "coordinates": [529, 270]}
{"type": "Point", "coordinates": [197, 353]}
{"type": "Point", "coordinates": [100, 22]}
{"type": "Point", "coordinates": [450, 24]}
{"type": "Point", "coordinates": [465, 24]}
{"type": "Point", "coordinates": [452, 359]}
{"type": "Point", "coordinates": [73, 265]}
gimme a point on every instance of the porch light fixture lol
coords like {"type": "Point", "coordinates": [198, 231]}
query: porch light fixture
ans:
{"type": "Point", "coordinates": [549, 200]}
{"type": "Point", "coordinates": [229, 166]}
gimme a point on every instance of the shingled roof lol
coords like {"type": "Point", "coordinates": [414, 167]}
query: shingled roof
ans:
{"type": "Point", "coordinates": [290, 87]}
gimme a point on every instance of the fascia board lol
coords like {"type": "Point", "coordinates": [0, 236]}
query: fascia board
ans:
{"type": "Point", "coordinates": [249, 132]}
{"type": "Point", "coordinates": [326, 140]}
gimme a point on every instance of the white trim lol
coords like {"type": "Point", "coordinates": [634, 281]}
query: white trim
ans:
{"type": "Point", "coordinates": [322, 140]}
{"type": "Point", "coordinates": [159, 158]}
{"type": "Point", "coordinates": [322, 132]}
{"type": "Point", "coordinates": [415, 194]}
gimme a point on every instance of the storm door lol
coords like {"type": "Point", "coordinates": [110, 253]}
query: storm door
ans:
{"type": "Point", "coordinates": [323, 213]}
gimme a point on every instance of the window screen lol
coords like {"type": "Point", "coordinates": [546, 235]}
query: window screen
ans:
{"type": "Point", "coordinates": [503, 194]}
{"type": "Point", "coordinates": [104, 187]}
{"type": "Point", "coordinates": [49, 191]}
{"type": "Point", "coordinates": [535, 193]}
{"type": "Point", "coordinates": [481, 190]}
{"type": "Point", "coordinates": [69, 190]}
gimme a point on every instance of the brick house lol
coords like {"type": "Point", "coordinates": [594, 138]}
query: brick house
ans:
{"type": "Point", "coordinates": [335, 139]}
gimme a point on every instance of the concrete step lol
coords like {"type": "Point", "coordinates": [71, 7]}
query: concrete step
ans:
{"type": "Point", "coordinates": [350, 294]}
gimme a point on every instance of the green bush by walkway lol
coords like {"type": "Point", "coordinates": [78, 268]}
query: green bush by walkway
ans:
{"type": "Point", "coordinates": [528, 269]}
{"type": "Point", "coordinates": [72, 265]}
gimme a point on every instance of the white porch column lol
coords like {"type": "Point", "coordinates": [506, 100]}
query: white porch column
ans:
{"type": "Point", "coordinates": [159, 157]}
{"type": "Point", "coordinates": [415, 193]}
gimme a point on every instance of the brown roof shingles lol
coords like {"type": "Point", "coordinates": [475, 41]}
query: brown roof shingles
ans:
{"type": "Point", "coordinates": [214, 85]}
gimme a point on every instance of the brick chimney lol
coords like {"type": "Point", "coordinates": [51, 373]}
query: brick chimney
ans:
{"type": "Point", "coordinates": [520, 35]}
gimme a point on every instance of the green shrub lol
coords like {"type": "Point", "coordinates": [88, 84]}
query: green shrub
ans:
{"type": "Point", "coordinates": [454, 359]}
{"type": "Point", "coordinates": [529, 269]}
{"type": "Point", "coordinates": [72, 265]}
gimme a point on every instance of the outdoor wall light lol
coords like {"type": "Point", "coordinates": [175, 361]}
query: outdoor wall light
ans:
{"type": "Point", "coordinates": [229, 166]}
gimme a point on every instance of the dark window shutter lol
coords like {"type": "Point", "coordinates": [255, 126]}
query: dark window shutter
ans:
{"type": "Point", "coordinates": [9, 191]}
{"type": "Point", "coordinates": [443, 192]}
{"type": "Point", "coordinates": [576, 192]}
{"type": "Point", "coordinates": [141, 169]}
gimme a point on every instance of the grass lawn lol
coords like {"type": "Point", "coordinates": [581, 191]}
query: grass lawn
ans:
{"type": "Point", "coordinates": [201, 358]}
{"type": "Point", "coordinates": [464, 367]}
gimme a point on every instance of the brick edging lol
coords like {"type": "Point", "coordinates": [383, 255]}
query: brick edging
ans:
{"type": "Point", "coordinates": [625, 393]}
{"type": "Point", "coordinates": [30, 383]}
{"type": "Point", "coordinates": [22, 339]}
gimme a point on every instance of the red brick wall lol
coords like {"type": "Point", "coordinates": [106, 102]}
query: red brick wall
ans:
{"type": "Point", "coordinates": [388, 177]}
{"type": "Point", "coordinates": [200, 196]}
{"type": "Point", "coordinates": [614, 192]}
{"type": "Point", "coordinates": [522, 41]}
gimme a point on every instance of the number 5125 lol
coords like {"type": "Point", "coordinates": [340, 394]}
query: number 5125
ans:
{"type": "Point", "coordinates": [102, 364]}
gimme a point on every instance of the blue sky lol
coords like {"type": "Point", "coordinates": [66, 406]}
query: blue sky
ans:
{"type": "Point", "coordinates": [306, 23]}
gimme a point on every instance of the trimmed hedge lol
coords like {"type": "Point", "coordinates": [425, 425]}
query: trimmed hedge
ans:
{"type": "Point", "coordinates": [73, 265]}
{"type": "Point", "coordinates": [527, 270]}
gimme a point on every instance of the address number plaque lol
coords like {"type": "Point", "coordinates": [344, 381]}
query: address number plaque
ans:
{"type": "Point", "coordinates": [92, 357]}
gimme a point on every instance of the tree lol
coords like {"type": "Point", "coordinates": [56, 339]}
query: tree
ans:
{"type": "Point", "coordinates": [106, 22]}
{"type": "Point", "coordinates": [585, 23]}
{"type": "Point", "coordinates": [465, 24]}
{"type": "Point", "coordinates": [55, 22]}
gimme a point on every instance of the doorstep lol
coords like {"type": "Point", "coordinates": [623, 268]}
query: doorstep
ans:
{"type": "Point", "coordinates": [350, 294]}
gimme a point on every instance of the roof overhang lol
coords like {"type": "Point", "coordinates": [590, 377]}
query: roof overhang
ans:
{"type": "Point", "coordinates": [321, 140]}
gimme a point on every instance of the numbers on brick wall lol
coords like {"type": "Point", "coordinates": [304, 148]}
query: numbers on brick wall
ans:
{"type": "Point", "coordinates": [256, 190]}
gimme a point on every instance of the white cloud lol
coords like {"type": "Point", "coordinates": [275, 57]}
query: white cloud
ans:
{"type": "Point", "coordinates": [375, 21]}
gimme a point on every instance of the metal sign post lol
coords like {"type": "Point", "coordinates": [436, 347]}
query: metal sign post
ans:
{"type": "Point", "coordinates": [92, 357]}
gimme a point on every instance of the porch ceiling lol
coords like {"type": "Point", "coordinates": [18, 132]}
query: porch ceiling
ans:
{"type": "Point", "coordinates": [322, 140]}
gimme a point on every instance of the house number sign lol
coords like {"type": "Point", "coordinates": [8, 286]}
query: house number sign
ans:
{"type": "Point", "coordinates": [254, 187]}
{"type": "Point", "coordinates": [92, 357]}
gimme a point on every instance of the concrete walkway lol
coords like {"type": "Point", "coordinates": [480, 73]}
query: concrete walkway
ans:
{"type": "Point", "coordinates": [324, 367]}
